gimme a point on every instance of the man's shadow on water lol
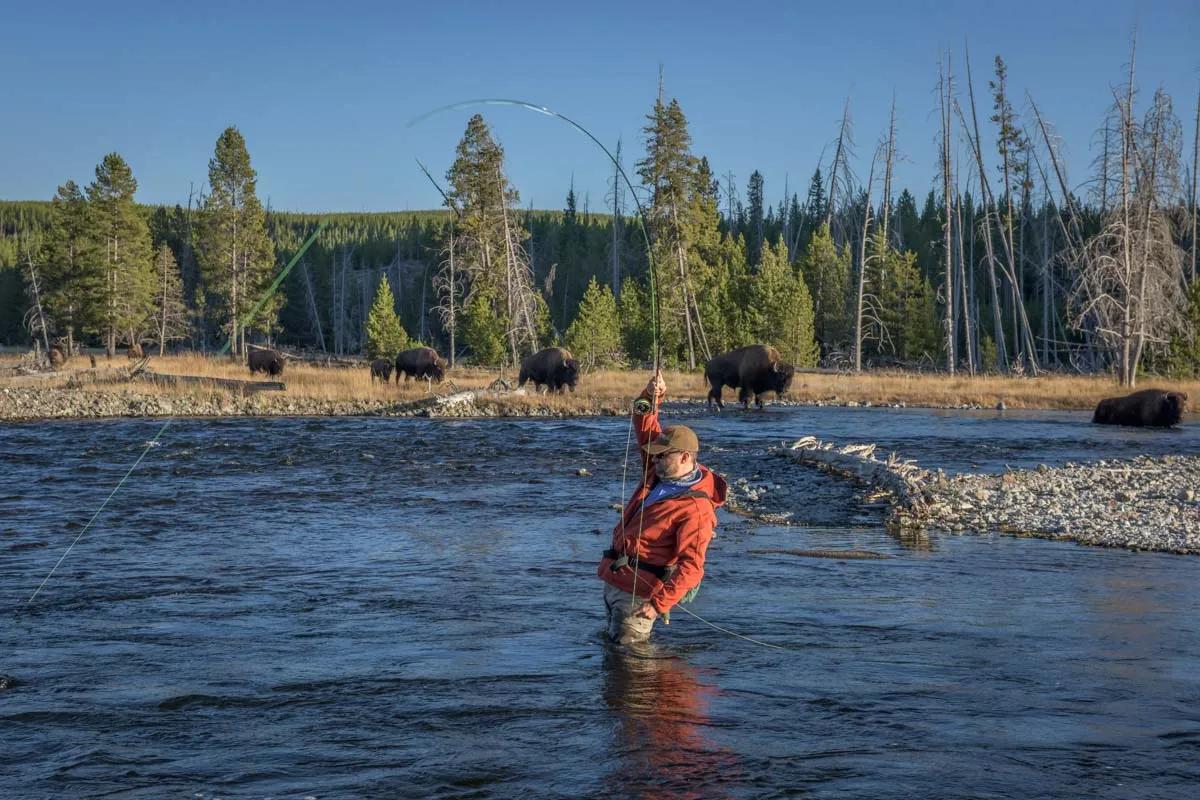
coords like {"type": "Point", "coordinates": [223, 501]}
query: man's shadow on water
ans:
{"type": "Point", "coordinates": [661, 745]}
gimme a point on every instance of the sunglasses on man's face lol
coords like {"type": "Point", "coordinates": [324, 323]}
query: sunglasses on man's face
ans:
{"type": "Point", "coordinates": [666, 453]}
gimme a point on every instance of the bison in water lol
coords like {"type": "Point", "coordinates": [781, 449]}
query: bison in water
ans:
{"type": "Point", "coordinates": [756, 370]}
{"type": "Point", "coordinates": [553, 367]}
{"type": "Point", "coordinates": [1154, 408]}
{"type": "Point", "coordinates": [381, 368]}
{"type": "Point", "coordinates": [267, 361]}
{"type": "Point", "coordinates": [420, 362]}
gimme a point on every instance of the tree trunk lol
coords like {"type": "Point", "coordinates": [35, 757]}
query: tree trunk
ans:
{"type": "Point", "coordinates": [985, 197]}
{"type": "Point", "coordinates": [945, 96]}
{"type": "Point", "coordinates": [1195, 167]}
{"type": "Point", "coordinates": [862, 271]}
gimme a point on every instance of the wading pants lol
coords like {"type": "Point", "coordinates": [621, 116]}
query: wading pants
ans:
{"type": "Point", "coordinates": [623, 627]}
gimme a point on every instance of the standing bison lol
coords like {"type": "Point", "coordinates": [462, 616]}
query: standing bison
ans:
{"type": "Point", "coordinates": [420, 362]}
{"type": "Point", "coordinates": [755, 369]}
{"type": "Point", "coordinates": [267, 361]}
{"type": "Point", "coordinates": [381, 368]}
{"type": "Point", "coordinates": [1153, 408]}
{"type": "Point", "coordinates": [553, 367]}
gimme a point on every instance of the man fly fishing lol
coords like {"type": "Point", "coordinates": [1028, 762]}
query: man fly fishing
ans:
{"type": "Point", "coordinates": [657, 555]}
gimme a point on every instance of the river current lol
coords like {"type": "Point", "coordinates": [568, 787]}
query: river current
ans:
{"type": "Point", "coordinates": [350, 607]}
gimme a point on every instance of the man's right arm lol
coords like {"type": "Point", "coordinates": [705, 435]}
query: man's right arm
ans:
{"type": "Point", "coordinates": [646, 425]}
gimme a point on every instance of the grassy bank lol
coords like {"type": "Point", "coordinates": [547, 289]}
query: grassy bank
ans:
{"type": "Point", "coordinates": [610, 389]}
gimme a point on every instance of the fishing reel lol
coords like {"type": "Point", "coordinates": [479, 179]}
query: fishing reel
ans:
{"type": "Point", "coordinates": [642, 406]}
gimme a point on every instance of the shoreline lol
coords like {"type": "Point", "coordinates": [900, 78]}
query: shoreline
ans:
{"type": "Point", "coordinates": [1142, 503]}
{"type": "Point", "coordinates": [32, 405]}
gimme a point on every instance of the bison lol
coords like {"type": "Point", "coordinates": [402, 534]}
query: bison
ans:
{"type": "Point", "coordinates": [267, 361]}
{"type": "Point", "coordinates": [756, 370]}
{"type": "Point", "coordinates": [553, 367]}
{"type": "Point", "coordinates": [420, 362]}
{"type": "Point", "coordinates": [381, 368]}
{"type": "Point", "coordinates": [1154, 408]}
{"type": "Point", "coordinates": [57, 357]}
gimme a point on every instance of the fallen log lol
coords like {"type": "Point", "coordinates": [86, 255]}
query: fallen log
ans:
{"type": "Point", "coordinates": [245, 387]}
{"type": "Point", "coordinates": [432, 406]}
{"type": "Point", "coordinates": [904, 480]}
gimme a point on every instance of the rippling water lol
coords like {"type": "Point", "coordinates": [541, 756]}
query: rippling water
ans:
{"type": "Point", "coordinates": [400, 608]}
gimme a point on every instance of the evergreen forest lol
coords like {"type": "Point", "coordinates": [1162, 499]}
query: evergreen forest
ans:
{"type": "Point", "coordinates": [1001, 265]}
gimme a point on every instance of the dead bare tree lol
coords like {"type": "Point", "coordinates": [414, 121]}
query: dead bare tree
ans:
{"type": "Point", "coordinates": [888, 162]}
{"type": "Point", "coordinates": [1130, 282]}
{"type": "Point", "coordinates": [862, 301]}
{"type": "Point", "coordinates": [1195, 167]}
{"type": "Point", "coordinates": [520, 297]}
{"type": "Point", "coordinates": [314, 315]}
{"type": "Point", "coordinates": [35, 319]}
{"type": "Point", "coordinates": [945, 100]}
{"type": "Point", "coordinates": [840, 177]}
{"type": "Point", "coordinates": [618, 211]}
{"type": "Point", "coordinates": [984, 198]}
{"type": "Point", "coordinates": [448, 286]}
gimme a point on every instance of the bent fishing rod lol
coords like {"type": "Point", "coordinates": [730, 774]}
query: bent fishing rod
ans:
{"type": "Point", "coordinates": [641, 217]}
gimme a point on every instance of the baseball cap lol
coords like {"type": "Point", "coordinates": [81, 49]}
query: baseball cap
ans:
{"type": "Point", "coordinates": [676, 437]}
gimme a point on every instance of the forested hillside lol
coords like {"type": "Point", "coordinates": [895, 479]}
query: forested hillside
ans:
{"type": "Point", "coordinates": [1001, 265]}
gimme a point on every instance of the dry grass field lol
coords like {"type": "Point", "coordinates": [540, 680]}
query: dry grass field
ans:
{"type": "Point", "coordinates": [612, 388]}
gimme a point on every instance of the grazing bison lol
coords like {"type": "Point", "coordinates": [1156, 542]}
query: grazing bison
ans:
{"type": "Point", "coordinates": [420, 362]}
{"type": "Point", "coordinates": [553, 367]}
{"type": "Point", "coordinates": [267, 361]}
{"type": "Point", "coordinates": [751, 370]}
{"type": "Point", "coordinates": [381, 368]}
{"type": "Point", "coordinates": [1154, 408]}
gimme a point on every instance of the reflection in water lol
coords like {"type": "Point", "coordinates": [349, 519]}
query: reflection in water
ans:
{"type": "Point", "coordinates": [661, 747]}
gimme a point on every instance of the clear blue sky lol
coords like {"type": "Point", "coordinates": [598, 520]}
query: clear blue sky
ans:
{"type": "Point", "coordinates": [323, 91]}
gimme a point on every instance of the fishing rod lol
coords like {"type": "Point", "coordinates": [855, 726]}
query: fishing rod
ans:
{"type": "Point", "coordinates": [641, 216]}
{"type": "Point", "coordinates": [153, 442]}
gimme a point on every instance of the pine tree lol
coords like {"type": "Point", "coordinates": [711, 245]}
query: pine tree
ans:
{"type": "Point", "coordinates": [482, 330]}
{"type": "Point", "coordinates": [170, 311]}
{"type": "Point", "coordinates": [907, 313]}
{"type": "Point", "coordinates": [826, 271]}
{"type": "Point", "coordinates": [121, 255]}
{"type": "Point", "coordinates": [491, 238]}
{"type": "Point", "coordinates": [781, 308]}
{"type": "Point", "coordinates": [70, 267]}
{"type": "Point", "coordinates": [594, 336]}
{"type": "Point", "coordinates": [236, 256]}
{"type": "Point", "coordinates": [1183, 357]}
{"type": "Point", "coordinates": [385, 335]}
{"type": "Point", "coordinates": [636, 333]}
{"type": "Point", "coordinates": [669, 170]}
{"type": "Point", "coordinates": [754, 232]}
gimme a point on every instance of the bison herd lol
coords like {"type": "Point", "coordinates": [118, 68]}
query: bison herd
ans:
{"type": "Point", "coordinates": [753, 371]}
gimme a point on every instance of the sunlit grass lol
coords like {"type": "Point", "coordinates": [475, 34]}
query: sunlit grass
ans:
{"type": "Point", "coordinates": [612, 388]}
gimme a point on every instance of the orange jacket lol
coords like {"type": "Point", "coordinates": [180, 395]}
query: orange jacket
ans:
{"type": "Point", "coordinates": [674, 532]}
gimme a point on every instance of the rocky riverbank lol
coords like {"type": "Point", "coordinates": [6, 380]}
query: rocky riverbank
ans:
{"type": "Point", "coordinates": [17, 405]}
{"type": "Point", "coordinates": [1144, 503]}
{"type": "Point", "coordinates": [1141, 504]}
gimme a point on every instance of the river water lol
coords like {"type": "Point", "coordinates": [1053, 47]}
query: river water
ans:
{"type": "Point", "coordinates": [328, 608]}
